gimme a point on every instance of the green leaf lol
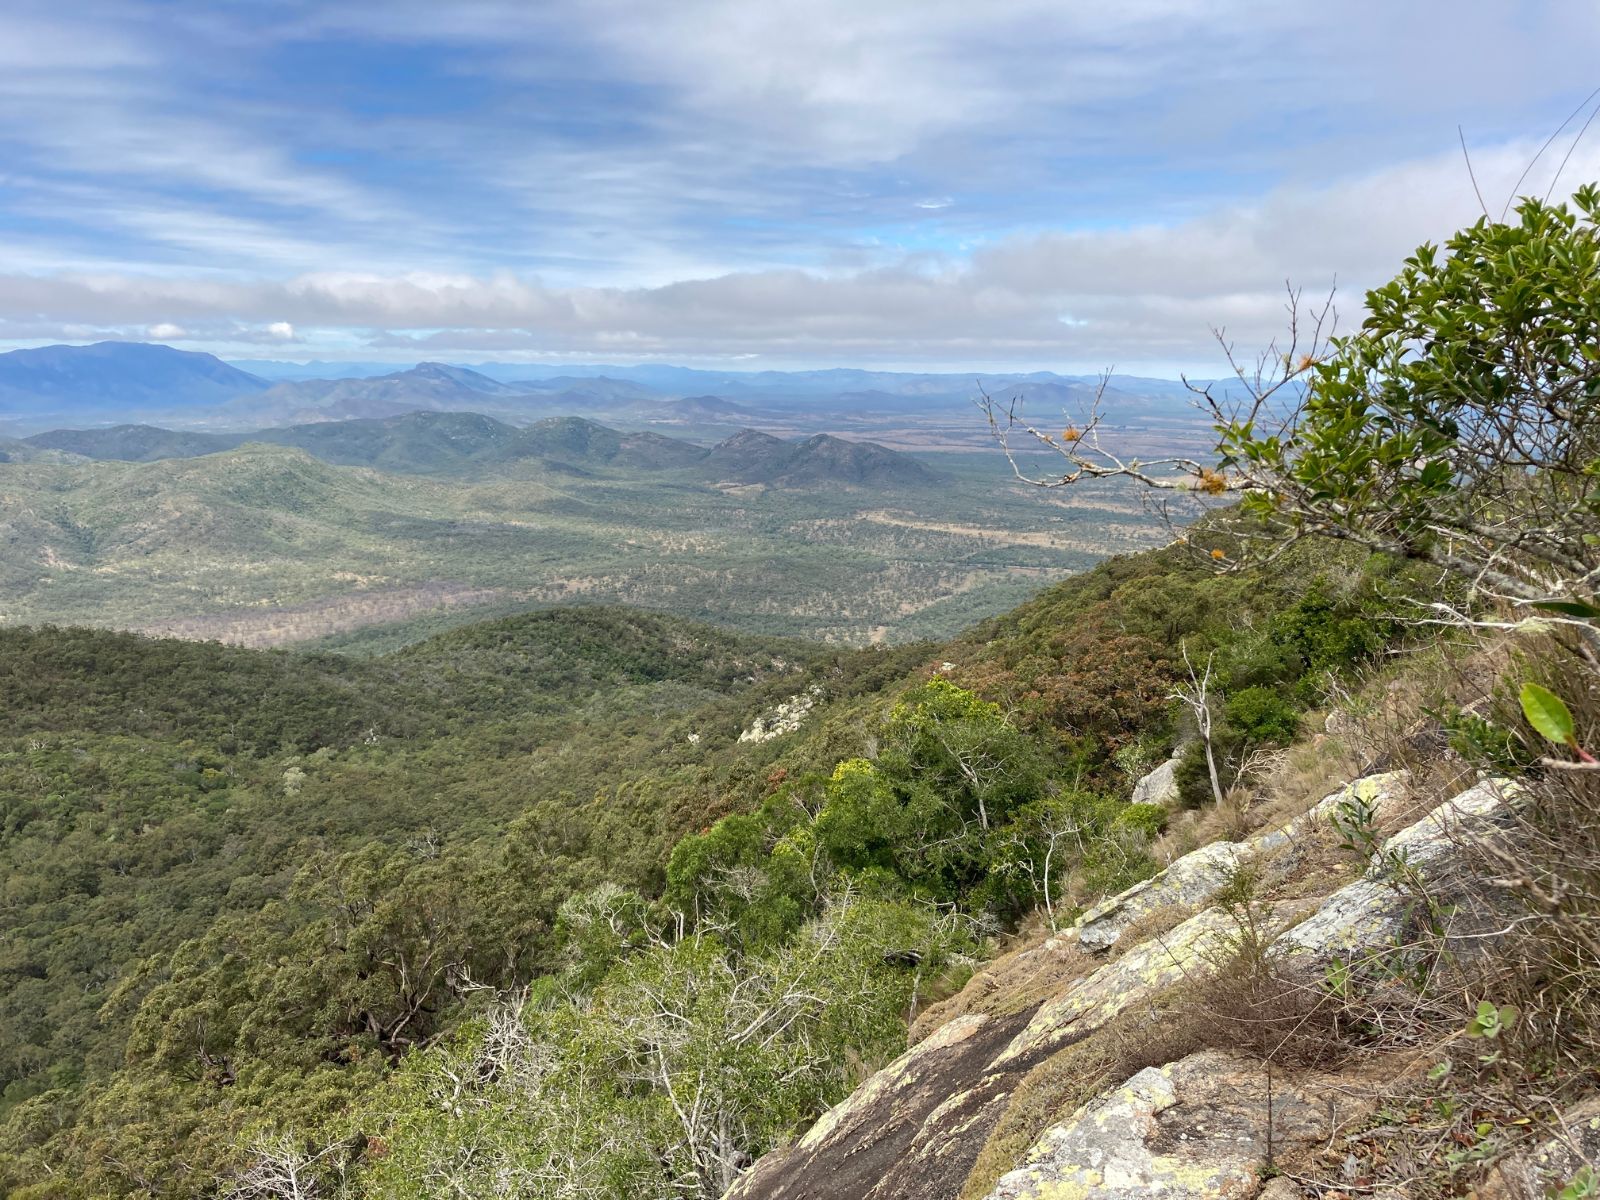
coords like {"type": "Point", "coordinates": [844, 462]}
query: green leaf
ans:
{"type": "Point", "coordinates": [1548, 714]}
{"type": "Point", "coordinates": [1569, 608]}
{"type": "Point", "coordinates": [1491, 1021]}
{"type": "Point", "coordinates": [1581, 1186]}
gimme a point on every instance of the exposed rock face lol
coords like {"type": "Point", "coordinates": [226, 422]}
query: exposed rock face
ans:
{"type": "Point", "coordinates": [1195, 878]}
{"type": "Point", "coordinates": [785, 718]}
{"type": "Point", "coordinates": [1135, 977]}
{"type": "Point", "coordinates": [1419, 867]}
{"type": "Point", "coordinates": [1193, 1128]}
{"type": "Point", "coordinates": [1158, 787]}
{"type": "Point", "coordinates": [900, 1136]}
{"type": "Point", "coordinates": [1196, 1129]}
{"type": "Point", "coordinates": [1384, 793]}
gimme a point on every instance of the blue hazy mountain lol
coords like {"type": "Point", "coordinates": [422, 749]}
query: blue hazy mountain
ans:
{"type": "Point", "coordinates": [117, 377]}
{"type": "Point", "coordinates": [130, 382]}
{"type": "Point", "coordinates": [436, 387]}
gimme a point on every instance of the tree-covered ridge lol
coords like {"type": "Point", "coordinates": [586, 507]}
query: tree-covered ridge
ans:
{"type": "Point", "coordinates": [149, 786]}
{"type": "Point", "coordinates": [96, 680]}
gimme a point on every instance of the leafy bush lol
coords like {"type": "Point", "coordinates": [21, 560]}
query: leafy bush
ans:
{"type": "Point", "coordinates": [1259, 716]}
{"type": "Point", "coordinates": [1148, 819]}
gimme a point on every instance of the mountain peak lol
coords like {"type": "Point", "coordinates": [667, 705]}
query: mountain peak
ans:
{"type": "Point", "coordinates": [107, 376]}
{"type": "Point", "coordinates": [460, 376]}
{"type": "Point", "coordinates": [749, 439]}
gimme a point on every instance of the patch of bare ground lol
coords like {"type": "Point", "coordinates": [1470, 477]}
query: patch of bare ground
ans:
{"type": "Point", "coordinates": [281, 626]}
{"type": "Point", "coordinates": [1032, 965]}
{"type": "Point", "coordinates": [989, 535]}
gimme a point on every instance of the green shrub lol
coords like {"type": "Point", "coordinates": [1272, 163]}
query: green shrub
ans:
{"type": "Point", "coordinates": [1148, 819]}
{"type": "Point", "coordinates": [1260, 715]}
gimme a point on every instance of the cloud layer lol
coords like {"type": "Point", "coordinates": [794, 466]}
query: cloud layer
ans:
{"type": "Point", "coordinates": [1026, 182]}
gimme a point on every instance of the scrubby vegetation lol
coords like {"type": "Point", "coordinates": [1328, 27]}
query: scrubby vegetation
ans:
{"type": "Point", "coordinates": [245, 886]}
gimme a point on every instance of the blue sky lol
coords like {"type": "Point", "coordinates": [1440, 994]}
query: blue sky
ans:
{"type": "Point", "coordinates": [1042, 183]}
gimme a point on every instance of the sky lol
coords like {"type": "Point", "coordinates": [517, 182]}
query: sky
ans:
{"type": "Point", "coordinates": [1045, 184]}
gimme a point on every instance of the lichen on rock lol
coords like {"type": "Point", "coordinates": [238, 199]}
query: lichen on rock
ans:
{"type": "Point", "coordinates": [1197, 1129]}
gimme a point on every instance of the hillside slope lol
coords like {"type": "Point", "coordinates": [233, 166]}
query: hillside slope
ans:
{"type": "Point", "coordinates": [754, 457]}
{"type": "Point", "coordinates": [1133, 1053]}
{"type": "Point", "coordinates": [207, 806]}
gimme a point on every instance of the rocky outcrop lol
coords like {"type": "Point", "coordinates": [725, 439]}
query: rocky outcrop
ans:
{"type": "Point", "coordinates": [1195, 878]}
{"type": "Point", "coordinates": [1418, 874]}
{"type": "Point", "coordinates": [888, 1138]}
{"type": "Point", "coordinates": [1159, 786]}
{"type": "Point", "coordinates": [1136, 977]}
{"type": "Point", "coordinates": [1195, 1127]}
{"type": "Point", "coordinates": [1203, 1128]}
{"type": "Point", "coordinates": [1192, 880]}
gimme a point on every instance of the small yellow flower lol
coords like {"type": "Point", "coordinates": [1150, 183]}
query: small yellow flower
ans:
{"type": "Point", "coordinates": [1218, 555]}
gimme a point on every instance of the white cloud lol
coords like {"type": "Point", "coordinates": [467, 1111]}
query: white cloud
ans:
{"type": "Point", "coordinates": [1027, 179]}
{"type": "Point", "coordinates": [1143, 294]}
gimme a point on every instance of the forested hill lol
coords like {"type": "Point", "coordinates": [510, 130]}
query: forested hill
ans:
{"type": "Point", "coordinates": [154, 790]}
{"type": "Point", "coordinates": [55, 680]}
{"type": "Point", "coordinates": [243, 885]}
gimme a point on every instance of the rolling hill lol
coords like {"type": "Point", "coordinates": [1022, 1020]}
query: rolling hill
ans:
{"type": "Point", "coordinates": [132, 443]}
{"type": "Point", "coordinates": [452, 443]}
{"type": "Point", "coordinates": [580, 443]}
{"type": "Point", "coordinates": [754, 457]}
{"type": "Point", "coordinates": [443, 513]}
{"type": "Point", "coordinates": [414, 443]}
{"type": "Point", "coordinates": [418, 443]}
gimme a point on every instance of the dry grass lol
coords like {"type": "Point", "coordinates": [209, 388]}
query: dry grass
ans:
{"type": "Point", "coordinates": [1469, 1101]}
{"type": "Point", "coordinates": [1070, 1078]}
{"type": "Point", "coordinates": [1316, 865]}
{"type": "Point", "coordinates": [1032, 967]}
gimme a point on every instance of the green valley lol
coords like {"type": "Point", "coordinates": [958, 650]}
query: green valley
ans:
{"type": "Point", "coordinates": [266, 544]}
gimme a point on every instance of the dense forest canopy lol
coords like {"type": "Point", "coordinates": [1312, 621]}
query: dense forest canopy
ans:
{"type": "Point", "coordinates": [243, 885]}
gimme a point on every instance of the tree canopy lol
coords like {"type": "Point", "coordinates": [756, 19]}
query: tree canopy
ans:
{"type": "Point", "coordinates": [1456, 426]}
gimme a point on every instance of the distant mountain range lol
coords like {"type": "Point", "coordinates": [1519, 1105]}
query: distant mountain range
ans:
{"type": "Point", "coordinates": [457, 443]}
{"type": "Point", "coordinates": [119, 382]}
